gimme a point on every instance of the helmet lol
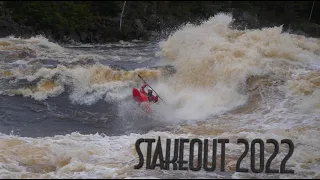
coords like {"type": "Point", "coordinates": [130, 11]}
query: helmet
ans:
{"type": "Point", "coordinates": [149, 89]}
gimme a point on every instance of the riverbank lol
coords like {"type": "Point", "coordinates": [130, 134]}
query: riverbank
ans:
{"type": "Point", "coordinates": [71, 22]}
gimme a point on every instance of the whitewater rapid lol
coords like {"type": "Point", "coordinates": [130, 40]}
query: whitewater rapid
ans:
{"type": "Point", "coordinates": [229, 83]}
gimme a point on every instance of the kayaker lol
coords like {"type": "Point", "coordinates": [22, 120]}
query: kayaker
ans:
{"type": "Point", "coordinates": [149, 94]}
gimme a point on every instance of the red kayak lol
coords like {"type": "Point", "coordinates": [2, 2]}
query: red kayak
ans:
{"type": "Point", "coordinates": [141, 99]}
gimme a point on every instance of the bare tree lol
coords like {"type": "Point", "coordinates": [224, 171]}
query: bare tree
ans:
{"type": "Point", "coordinates": [311, 10]}
{"type": "Point", "coordinates": [122, 13]}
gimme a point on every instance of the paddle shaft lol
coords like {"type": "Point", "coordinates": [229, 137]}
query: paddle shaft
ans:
{"type": "Point", "coordinates": [150, 87]}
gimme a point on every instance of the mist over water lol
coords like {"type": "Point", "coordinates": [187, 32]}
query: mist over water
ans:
{"type": "Point", "coordinates": [72, 114]}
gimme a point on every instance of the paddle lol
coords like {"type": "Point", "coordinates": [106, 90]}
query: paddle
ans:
{"type": "Point", "coordinates": [150, 87]}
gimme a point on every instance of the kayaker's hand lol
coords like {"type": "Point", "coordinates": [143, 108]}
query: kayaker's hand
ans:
{"type": "Point", "coordinates": [156, 98]}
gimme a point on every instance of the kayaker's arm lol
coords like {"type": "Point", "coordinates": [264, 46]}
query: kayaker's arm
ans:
{"type": "Point", "coordinates": [155, 98]}
{"type": "Point", "coordinates": [142, 89]}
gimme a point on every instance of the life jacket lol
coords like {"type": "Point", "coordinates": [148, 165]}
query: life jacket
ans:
{"type": "Point", "coordinates": [150, 96]}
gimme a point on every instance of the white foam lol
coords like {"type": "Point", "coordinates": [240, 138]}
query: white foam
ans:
{"type": "Point", "coordinates": [213, 61]}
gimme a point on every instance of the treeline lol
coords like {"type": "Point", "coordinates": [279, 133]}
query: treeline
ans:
{"type": "Point", "coordinates": [94, 20]}
{"type": "Point", "coordinates": [60, 15]}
